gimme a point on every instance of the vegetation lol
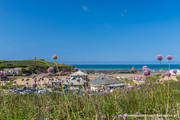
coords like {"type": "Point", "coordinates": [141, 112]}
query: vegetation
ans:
{"type": "Point", "coordinates": [34, 66]}
{"type": "Point", "coordinates": [10, 85]}
{"type": "Point", "coordinates": [154, 97]}
{"type": "Point", "coordinates": [144, 99]}
{"type": "Point", "coordinates": [125, 80]}
{"type": "Point", "coordinates": [178, 77]}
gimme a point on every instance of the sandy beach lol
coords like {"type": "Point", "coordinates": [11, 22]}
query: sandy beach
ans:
{"type": "Point", "coordinates": [92, 74]}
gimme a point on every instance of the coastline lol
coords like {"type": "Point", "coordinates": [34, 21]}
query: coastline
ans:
{"type": "Point", "coordinates": [111, 71]}
{"type": "Point", "coordinates": [120, 71]}
{"type": "Point", "coordinates": [124, 67]}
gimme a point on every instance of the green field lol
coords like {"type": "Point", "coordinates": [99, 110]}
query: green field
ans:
{"type": "Point", "coordinates": [149, 99]}
{"type": "Point", "coordinates": [38, 65]}
{"type": "Point", "coordinates": [143, 99]}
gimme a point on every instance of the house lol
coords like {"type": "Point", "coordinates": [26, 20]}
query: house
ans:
{"type": "Point", "coordinates": [78, 83]}
{"type": "Point", "coordinates": [79, 80]}
{"type": "Point", "coordinates": [12, 71]}
{"type": "Point", "coordinates": [80, 74]}
{"type": "Point", "coordinates": [6, 70]}
{"type": "Point", "coordinates": [115, 85]}
{"type": "Point", "coordinates": [98, 83]}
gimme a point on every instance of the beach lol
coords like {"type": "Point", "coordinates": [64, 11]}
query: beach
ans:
{"type": "Point", "coordinates": [92, 74]}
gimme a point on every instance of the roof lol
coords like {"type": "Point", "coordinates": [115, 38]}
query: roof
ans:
{"type": "Point", "coordinates": [116, 85]}
{"type": "Point", "coordinates": [17, 68]}
{"type": "Point", "coordinates": [75, 82]}
{"type": "Point", "coordinates": [105, 81]}
{"type": "Point", "coordinates": [80, 73]}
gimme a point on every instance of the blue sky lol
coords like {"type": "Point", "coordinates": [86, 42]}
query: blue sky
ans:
{"type": "Point", "coordinates": [90, 31]}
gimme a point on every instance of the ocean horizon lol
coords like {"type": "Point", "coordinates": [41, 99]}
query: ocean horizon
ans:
{"type": "Point", "coordinates": [124, 66]}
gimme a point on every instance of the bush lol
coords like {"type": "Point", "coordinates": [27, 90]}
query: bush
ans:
{"type": "Point", "coordinates": [26, 71]}
{"type": "Point", "coordinates": [178, 77]}
{"type": "Point", "coordinates": [10, 82]}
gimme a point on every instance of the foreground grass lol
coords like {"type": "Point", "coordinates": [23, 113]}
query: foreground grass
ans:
{"type": "Point", "coordinates": [144, 99]}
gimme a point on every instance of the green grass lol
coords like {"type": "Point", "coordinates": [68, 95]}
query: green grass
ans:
{"type": "Point", "coordinates": [178, 77]}
{"type": "Point", "coordinates": [5, 87]}
{"type": "Point", "coordinates": [125, 80]}
{"type": "Point", "coordinates": [143, 99]}
{"type": "Point", "coordinates": [10, 85]}
{"type": "Point", "coordinates": [38, 64]}
{"type": "Point", "coordinates": [27, 63]}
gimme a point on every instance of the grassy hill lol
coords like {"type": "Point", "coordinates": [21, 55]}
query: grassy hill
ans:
{"type": "Point", "coordinates": [38, 65]}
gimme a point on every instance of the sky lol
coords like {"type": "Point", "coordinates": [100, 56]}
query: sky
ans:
{"type": "Point", "coordinates": [90, 31]}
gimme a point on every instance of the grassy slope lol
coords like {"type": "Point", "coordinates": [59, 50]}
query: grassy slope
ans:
{"type": "Point", "coordinates": [29, 63]}
{"type": "Point", "coordinates": [26, 63]}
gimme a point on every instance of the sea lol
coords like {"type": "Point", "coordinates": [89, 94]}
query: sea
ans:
{"type": "Point", "coordinates": [124, 66]}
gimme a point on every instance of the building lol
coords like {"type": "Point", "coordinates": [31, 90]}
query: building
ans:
{"type": "Point", "coordinates": [81, 75]}
{"type": "Point", "coordinates": [12, 71]}
{"type": "Point", "coordinates": [178, 72]}
{"type": "Point", "coordinates": [98, 83]}
{"type": "Point", "coordinates": [78, 79]}
{"type": "Point", "coordinates": [133, 69]}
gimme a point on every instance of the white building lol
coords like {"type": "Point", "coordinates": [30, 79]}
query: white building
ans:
{"type": "Point", "coordinates": [12, 71]}
{"type": "Point", "coordinates": [79, 80]}
{"type": "Point", "coordinates": [178, 72]}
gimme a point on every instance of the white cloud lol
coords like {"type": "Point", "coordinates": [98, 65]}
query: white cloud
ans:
{"type": "Point", "coordinates": [85, 8]}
